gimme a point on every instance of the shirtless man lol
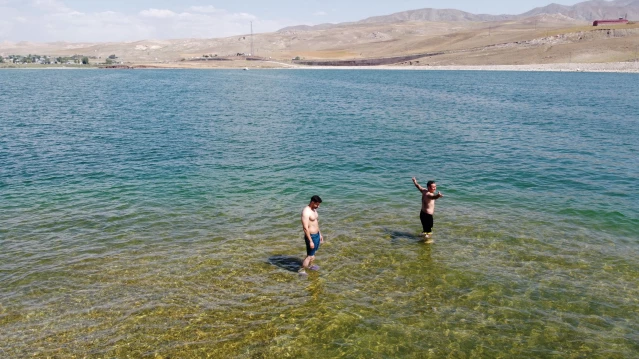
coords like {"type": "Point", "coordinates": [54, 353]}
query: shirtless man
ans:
{"type": "Point", "coordinates": [428, 207]}
{"type": "Point", "coordinates": [312, 235]}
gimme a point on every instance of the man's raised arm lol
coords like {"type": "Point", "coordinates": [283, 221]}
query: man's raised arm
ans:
{"type": "Point", "coordinates": [420, 188]}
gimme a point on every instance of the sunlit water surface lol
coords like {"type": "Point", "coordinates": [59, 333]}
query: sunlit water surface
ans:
{"type": "Point", "coordinates": [156, 214]}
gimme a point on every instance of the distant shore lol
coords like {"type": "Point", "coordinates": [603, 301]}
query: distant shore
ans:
{"type": "Point", "coordinates": [616, 67]}
{"type": "Point", "coordinates": [620, 67]}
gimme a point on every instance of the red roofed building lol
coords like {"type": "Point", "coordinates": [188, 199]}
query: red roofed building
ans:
{"type": "Point", "coordinates": [610, 22]}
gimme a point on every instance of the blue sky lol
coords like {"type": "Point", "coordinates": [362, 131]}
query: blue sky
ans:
{"type": "Point", "coordinates": [130, 20]}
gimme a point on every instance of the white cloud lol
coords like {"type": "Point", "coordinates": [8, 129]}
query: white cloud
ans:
{"type": "Point", "coordinates": [205, 9]}
{"type": "Point", "coordinates": [52, 20]}
{"type": "Point", "coordinates": [157, 13]}
{"type": "Point", "coordinates": [200, 23]}
{"type": "Point", "coordinates": [101, 26]}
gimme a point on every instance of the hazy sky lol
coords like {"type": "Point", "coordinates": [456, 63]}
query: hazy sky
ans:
{"type": "Point", "coordinates": [128, 20]}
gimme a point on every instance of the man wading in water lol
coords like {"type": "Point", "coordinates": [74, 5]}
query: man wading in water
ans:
{"type": "Point", "coordinates": [428, 207]}
{"type": "Point", "coordinates": [312, 235]}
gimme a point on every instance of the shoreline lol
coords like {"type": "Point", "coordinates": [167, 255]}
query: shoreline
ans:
{"type": "Point", "coordinates": [610, 67]}
{"type": "Point", "coordinates": [615, 67]}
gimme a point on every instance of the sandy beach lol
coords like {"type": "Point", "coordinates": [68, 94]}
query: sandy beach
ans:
{"type": "Point", "coordinates": [617, 67]}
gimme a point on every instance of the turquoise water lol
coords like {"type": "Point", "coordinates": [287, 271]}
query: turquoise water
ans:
{"type": "Point", "coordinates": [156, 214]}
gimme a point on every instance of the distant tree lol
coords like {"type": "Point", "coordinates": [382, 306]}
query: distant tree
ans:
{"type": "Point", "coordinates": [109, 61]}
{"type": "Point", "coordinates": [113, 57]}
{"type": "Point", "coordinates": [85, 60]}
{"type": "Point", "coordinates": [1, 60]}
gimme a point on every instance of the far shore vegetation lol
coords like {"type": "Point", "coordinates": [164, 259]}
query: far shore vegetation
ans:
{"type": "Point", "coordinates": [34, 60]}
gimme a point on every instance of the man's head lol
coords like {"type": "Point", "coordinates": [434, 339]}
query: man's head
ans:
{"type": "Point", "coordinates": [431, 186]}
{"type": "Point", "coordinates": [315, 202]}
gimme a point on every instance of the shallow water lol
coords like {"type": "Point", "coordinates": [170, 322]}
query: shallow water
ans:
{"type": "Point", "coordinates": [156, 214]}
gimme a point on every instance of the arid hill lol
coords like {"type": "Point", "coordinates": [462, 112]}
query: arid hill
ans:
{"type": "Point", "coordinates": [585, 11]}
{"type": "Point", "coordinates": [592, 10]}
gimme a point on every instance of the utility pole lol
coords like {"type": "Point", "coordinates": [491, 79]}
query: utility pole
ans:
{"type": "Point", "coordinates": [252, 38]}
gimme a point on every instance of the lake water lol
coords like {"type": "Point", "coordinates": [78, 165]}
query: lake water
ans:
{"type": "Point", "coordinates": [156, 214]}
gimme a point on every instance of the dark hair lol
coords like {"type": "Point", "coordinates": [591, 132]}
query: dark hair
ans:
{"type": "Point", "coordinates": [429, 183]}
{"type": "Point", "coordinates": [316, 199]}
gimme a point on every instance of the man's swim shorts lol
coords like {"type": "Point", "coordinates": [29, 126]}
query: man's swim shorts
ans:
{"type": "Point", "coordinates": [316, 241]}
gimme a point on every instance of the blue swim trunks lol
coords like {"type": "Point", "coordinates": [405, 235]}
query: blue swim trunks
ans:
{"type": "Point", "coordinates": [316, 241]}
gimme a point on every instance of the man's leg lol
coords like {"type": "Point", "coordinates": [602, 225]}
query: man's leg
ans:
{"type": "Point", "coordinates": [316, 245]}
{"type": "Point", "coordinates": [427, 224]}
{"type": "Point", "coordinates": [310, 253]}
{"type": "Point", "coordinates": [307, 262]}
{"type": "Point", "coordinates": [312, 266]}
{"type": "Point", "coordinates": [429, 229]}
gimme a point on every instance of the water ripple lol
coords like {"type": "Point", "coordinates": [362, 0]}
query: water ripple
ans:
{"type": "Point", "coordinates": [156, 213]}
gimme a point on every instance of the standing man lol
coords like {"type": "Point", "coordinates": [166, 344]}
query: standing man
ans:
{"type": "Point", "coordinates": [312, 235]}
{"type": "Point", "coordinates": [428, 207]}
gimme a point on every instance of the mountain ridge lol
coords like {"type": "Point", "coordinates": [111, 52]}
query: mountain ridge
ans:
{"type": "Point", "coordinates": [585, 11]}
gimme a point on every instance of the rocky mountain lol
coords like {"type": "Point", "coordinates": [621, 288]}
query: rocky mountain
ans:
{"type": "Point", "coordinates": [309, 27]}
{"type": "Point", "coordinates": [592, 10]}
{"type": "Point", "coordinates": [584, 11]}
{"type": "Point", "coordinates": [434, 15]}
